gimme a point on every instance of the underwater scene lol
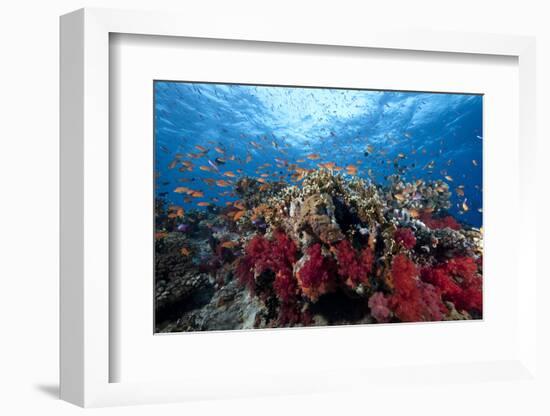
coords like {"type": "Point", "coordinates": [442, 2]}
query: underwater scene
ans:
{"type": "Point", "coordinates": [282, 206]}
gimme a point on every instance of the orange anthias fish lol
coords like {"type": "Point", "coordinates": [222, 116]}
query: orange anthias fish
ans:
{"type": "Point", "coordinates": [197, 194]}
{"type": "Point", "coordinates": [175, 211]}
{"type": "Point", "coordinates": [202, 149]}
{"type": "Point", "coordinates": [328, 165]}
{"type": "Point", "coordinates": [223, 183]}
{"type": "Point", "coordinates": [229, 174]}
{"type": "Point", "coordinates": [239, 205]}
{"type": "Point", "coordinates": [206, 168]}
{"type": "Point", "coordinates": [238, 215]}
{"type": "Point", "coordinates": [229, 244]}
{"type": "Point", "coordinates": [219, 150]}
{"type": "Point", "coordinates": [313, 156]}
{"type": "Point", "coordinates": [181, 190]}
{"type": "Point", "coordinates": [351, 169]}
{"type": "Point", "coordinates": [203, 204]}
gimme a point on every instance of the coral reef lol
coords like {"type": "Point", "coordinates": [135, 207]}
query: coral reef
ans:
{"type": "Point", "coordinates": [292, 255]}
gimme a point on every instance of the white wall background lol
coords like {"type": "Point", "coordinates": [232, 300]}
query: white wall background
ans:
{"type": "Point", "coordinates": [29, 196]}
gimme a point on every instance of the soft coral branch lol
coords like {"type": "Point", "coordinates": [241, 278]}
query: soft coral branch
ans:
{"type": "Point", "coordinates": [354, 267]}
{"type": "Point", "coordinates": [458, 281]}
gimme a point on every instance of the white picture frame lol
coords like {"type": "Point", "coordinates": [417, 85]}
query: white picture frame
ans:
{"type": "Point", "coordinates": [85, 217]}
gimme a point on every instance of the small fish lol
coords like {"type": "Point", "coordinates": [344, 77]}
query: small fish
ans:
{"type": "Point", "coordinates": [219, 161]}
{"type": "Point", "coordinates": [185, 251]}
{"type": "Point", "coordinates": [222, 183]}
{"type": "Point", "coordinates": [239, 205]}
{"type": "Point", "coordinates": [300, 161]}
{"type": "Point", "coordinates": [399, 197]}
{"type": "Point", "coordinates": [229, 174]}
{"type": "Point", "coordinates": [449, 178]}
{"type": "Point", "coordinates": [214, 166]}
{"type": "Point", "coordinates": [238, 215]}
{"type": "Point", "coordinates": [313, 156]}
{"type": "Point", "coordinates": [206, 168]}
{"type": "Point", "coordinates": [474, 162]}
{"type": "Point", "coordinates": [229, 244]}
{"type": "Point", "coordinates": [256, 145]}
{"type": "Point", "coordinates": [175, 211]}
{"type": "Point", "coordinates": [261, 180]}
{"type": "Point", "coordinates": [465, 206]}
{"type": "Point", "coordinates": [203, 204]}
{"type": "Point", "coordinates": [173, 164]}
{"type": "Point", "coordinates": [200, 148]}
{"type": "Point", "coordinates": [351, 169]}
{"type": "Point", "coordinates": [328, 165]}
{"type": "Point", "coordinates": [209, 181]}
{"type": "Point", "coordinates": [181, 190]}
{"type": "Point", "coordinates": [197, 194]}
{"type": "Point", "coordinates": [219, 150]}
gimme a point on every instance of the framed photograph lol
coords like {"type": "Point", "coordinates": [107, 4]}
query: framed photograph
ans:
{"type": "Point", "coordinates": [275, 212]}
{"type": "Point", "coordinates": [284, 206]}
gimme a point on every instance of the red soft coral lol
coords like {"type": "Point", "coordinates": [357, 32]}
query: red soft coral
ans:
{"type": "Point", "coordinates": [317, 275]}
{"type": "Point", "coordinates": [277, 256]}
{"type": "Point", "coordinates": [379, 308]}
{"type": "Point", "coordinates": [437, 223]}
{"type": "Point", "coordinates": [354, 267]}
{"type": "Point", "coordinates": [406, 237]}
{"type": "Point", "coordinates": [413, 300]}
{"type": "Point", "coordinates": [458, 281]}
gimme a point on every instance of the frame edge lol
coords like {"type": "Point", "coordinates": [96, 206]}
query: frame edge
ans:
{"type": "Point", "coordinates": [71, 220]}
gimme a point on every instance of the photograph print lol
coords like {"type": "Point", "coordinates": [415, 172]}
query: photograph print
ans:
{"type": "Point", "coordinates": [287, 206]}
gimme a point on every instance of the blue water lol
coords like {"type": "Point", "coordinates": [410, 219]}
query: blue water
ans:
{"type": "Point", "coordinates": [431, 135]}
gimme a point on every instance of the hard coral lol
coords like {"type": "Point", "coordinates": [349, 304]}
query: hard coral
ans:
{"type": "Point", "coordinates": [317, 218]}
{"type": "Point", "coordinates": [354, 267]}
